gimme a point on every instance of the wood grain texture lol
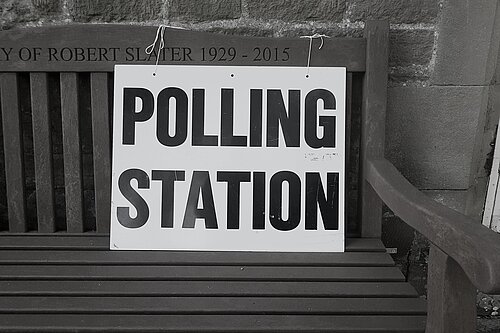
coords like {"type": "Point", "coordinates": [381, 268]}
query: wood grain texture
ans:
{"type": "Point", "coordinates": [95, 242]}
{"type": "Point", "coordinates": [199, 273]}
{"type": "Point", "coordinates": [451, 296]}
{"type": "Point", "coordinates": [364, 245]}
{"type": "Point", "coordinates": [101, 150]}
{"type": "Point", "coordinates": [213, 305]}
{"type": "Point", "coordinates": [42, 143]}
{"type": "Point", "coordinates": [72, 152]}
{"type": "Point", "coordinates": [373, 121]}
{"type": "Point", "coordinates": [13, 151]}
{"type": "Point", "coordinates": [212, 323]}
{"type": "Point", "coordinates": [348, 120]}
{"type": "Point", "coordinates": [81, 257]}
{"type": "Point", "coordinates": [61, 48]}
{"type": "Point", "coordinates": [347, 136]}
{"type": "Point", "coordinates": [473, 246]}
{"type": "Point", "coordinates": [206, 288]}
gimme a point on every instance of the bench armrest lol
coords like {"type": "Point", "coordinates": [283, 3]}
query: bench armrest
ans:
{"type": "Point", "coordinates": [473, 246]}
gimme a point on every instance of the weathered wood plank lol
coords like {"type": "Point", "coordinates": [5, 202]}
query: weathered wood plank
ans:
{"type": "Point", "coordinates": [207, 288]}
{"type": "Point", "coordinates": [97, 48]}
{"type": "Point", "coordinates": [212, 323]}
{"type": "Point", "coordinates": [451, 296]}
{"type": "Point", "coordinates": [101, 242]}
{"type": "Point", "coordinates": [364, 245]}
{"type": "Point", "coordinates": [348, 119]}
{"type": "Point", "coordinates": [347, 136]}
{"type": "Point", "coordinates": [42, 143]}
{"type": "Point", "coordinates": [373, 121]}
{"type": "Point", "coordinates": [82, 257]}
{"type": "Point", "coordinates": [101, 149]}
{"type": "Point", "coordinates": [72, 152]}
{"type": "Point", "coordinates": [213, 305]}
{"type": "Point", "coordinates": [473, 246]}
{"type": "Point", "coordinates": [13, 151]}
{"type": "Point", "coordinates": [61, 241]}
{"type": "Point", "coordinates": [197, 273]}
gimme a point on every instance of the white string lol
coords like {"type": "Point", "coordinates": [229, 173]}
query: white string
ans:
{"type": "Point", "coordinates": [316, 35]}
{"type": "Point", "coordinates": [159, 34]}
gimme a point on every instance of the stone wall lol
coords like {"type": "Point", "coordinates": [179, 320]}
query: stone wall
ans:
{"type": "Point", "coordinates": [413, 23]}
{"type": "Point", "coordinates": [442, 88]}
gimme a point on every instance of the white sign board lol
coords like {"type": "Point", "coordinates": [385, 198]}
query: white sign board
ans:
{"type": "Point", "coordinates": [228, 159]}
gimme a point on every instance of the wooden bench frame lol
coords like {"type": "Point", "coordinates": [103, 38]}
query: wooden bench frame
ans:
{"type": "Point", "coordinates": [464, 254]}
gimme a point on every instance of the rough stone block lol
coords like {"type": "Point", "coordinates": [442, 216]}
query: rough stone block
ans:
{"type": "Point", "coordinates": [115, 10]}
{"type": "Point", "coordinates": [330, 30]}
{"type": "Point", "coordinates": [483, 155]}
{"type": "Point", "coordinates": [13, 11]}
{"type": "Point", "coordinates": [47, 6]}
{"type": "Point", "coordinates": [430, 133]}
{"type": "Point", "coordinates": [408, 75]}
{"type": "Point", "coordinates": [396, 11]}
{"type": "Point", "coordinates": [488, 324]}
{"type": "Point", "coordinates": [290, 10]}
{"type": "Point", "coordinates": [410, 47]}
{"type": "Point", "coordinates": [468, 43]}
{"type": "Point", "coordinates": [451, 199]}
{"type": "Point", "coordinates": [204, 10]}
{"type": "Point", "coordinates": [497, 70]}
{"type": "Point", "coordinates": [242, 31]}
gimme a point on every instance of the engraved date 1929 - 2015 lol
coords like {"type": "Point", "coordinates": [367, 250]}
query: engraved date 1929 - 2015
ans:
{"type": "Point", "coordinates": [257, 54]}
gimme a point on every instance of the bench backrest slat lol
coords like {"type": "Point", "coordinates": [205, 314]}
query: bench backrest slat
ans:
{"type": "Point", "coordinates": [13, 152]}
{"type": "Point", "coordinates": [348, 166]}
{"type": "Point", "coordinates": [103, 46]}
{"type": "Point", "coordinates": [101, 135]}
{"type": "Point", "coordinates": [373, 121]}
{"type": "Point", "coordinates": [42, 144]}
{"type": "Point", "coordinates": [72, 153]}
{"type": "Point", "coordinates": [348, 114]}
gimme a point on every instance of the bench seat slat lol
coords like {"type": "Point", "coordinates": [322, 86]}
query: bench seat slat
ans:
{"type": "Point", "coordinates": [14, 257]}
{"type": "Point", "coordinates": [212, 305]}
{"type": "Point", "coordinates": [364, 245]}
{"type": "Point", "coordinates": [211, 323]}
{"type": "Point", "coordinates": [222, 273]}
{"type": "Point", "coordinates": [93, 242]}
{"type": "Point", "coordinates": [43, 152]}
{"type": "Point", "coordinates": [207, 288]}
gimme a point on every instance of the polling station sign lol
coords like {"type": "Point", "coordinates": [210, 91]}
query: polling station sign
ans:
{"type": "Point", "coordinates": [228, 158]}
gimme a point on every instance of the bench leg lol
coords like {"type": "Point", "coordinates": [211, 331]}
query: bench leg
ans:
{"type": "Point", "coordinates": [451, 297]}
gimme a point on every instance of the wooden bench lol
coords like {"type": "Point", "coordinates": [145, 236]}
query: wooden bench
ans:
{"type": "Point", "coordinates": [57, 274]}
